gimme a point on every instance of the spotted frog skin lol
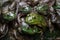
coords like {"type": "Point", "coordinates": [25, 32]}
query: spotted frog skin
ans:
{"type": "Point", "coordinates": [26, 29]}
{"type": "Point", "coordinates": [25, 9]}
{"type": "Point", "coordinates": [9, 16]}
{"type": "Point", "coordinates": [30, 30]}
{"type": "Point", "coordinates": [42, 9]}
{"type": "Point", "coordinates": [36, 19]}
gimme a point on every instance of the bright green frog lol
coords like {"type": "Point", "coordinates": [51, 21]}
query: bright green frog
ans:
{"type": "Point", "coordinates": [36, 19]}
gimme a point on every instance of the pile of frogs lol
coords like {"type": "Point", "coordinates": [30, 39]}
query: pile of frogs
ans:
{"type": "Point", "coordinates": [29, 17]}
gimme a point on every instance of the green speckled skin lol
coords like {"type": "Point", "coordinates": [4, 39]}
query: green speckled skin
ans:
{"type": "Point", "coordinates": [36, 19]}
{"type": "Point", "coordinates": [25, 9]}
{"type": "Point", "coordinates": [31, 31]}
{"type": "Point", "coordinates": [9, 16]}
{"type": "Point", "coordinates": [42, 8]}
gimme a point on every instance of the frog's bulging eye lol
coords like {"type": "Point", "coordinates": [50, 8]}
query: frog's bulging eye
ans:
{"type": "Point", "coordinates": [28, 15]}
{"type": "Point", "coordinates": [34, 17]}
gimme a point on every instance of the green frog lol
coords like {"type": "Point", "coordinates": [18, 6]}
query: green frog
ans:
{"type": "Point", "coordinates": [42, 9]}
{"type": "Point", "coordinates": [25, 9]}
{"type": "Point", "coordinates": [31, 31]}
{"type": "Point", "coordinates": [9, 16]}
{"type": "Point", "coordinates": [26, 29]}
{"type": "Point", "coordinates": [36, 19]}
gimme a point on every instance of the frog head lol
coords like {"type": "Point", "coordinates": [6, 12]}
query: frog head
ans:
{"type": "Point", "coordinates": [36, 19]}
{"type": "Point", "coordinates": [42, 9]}
{"type": "Point", "coordinates": [9, 16]}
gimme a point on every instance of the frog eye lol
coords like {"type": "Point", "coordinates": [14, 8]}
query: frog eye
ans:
{"type": "Point", "coordinates": [34, 17]}
{"type": "Point", "coordinates": [28, 15]}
